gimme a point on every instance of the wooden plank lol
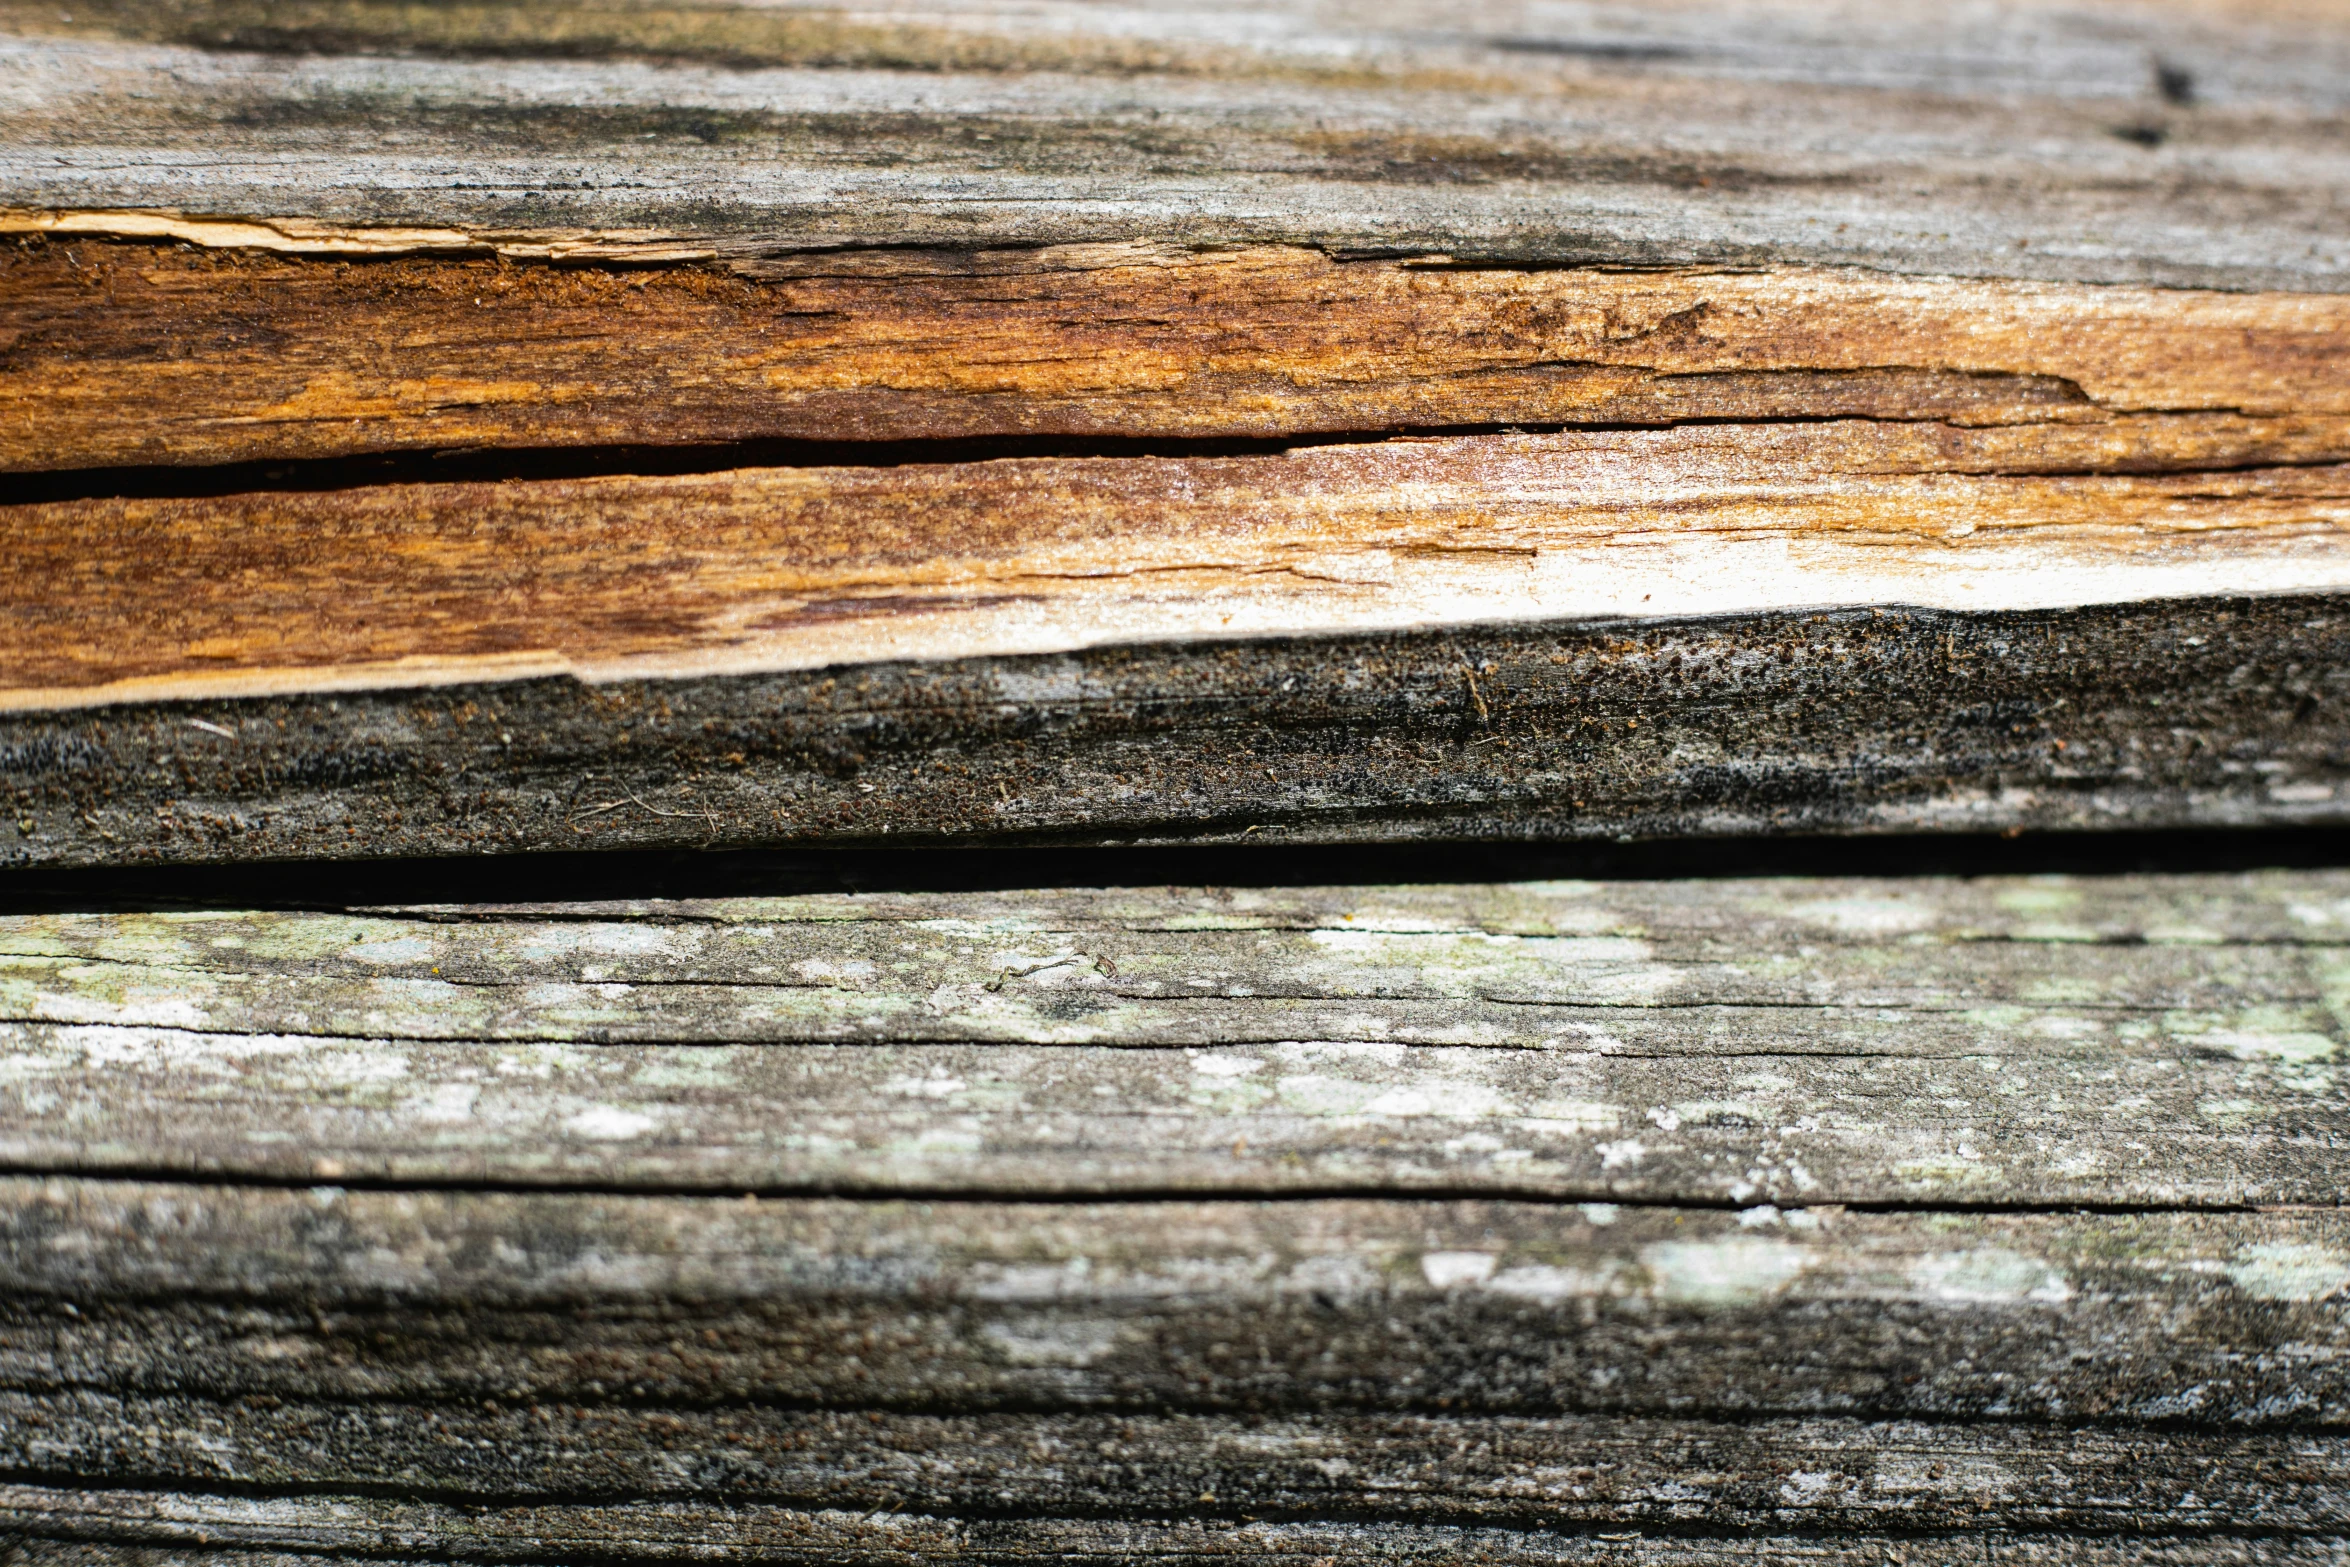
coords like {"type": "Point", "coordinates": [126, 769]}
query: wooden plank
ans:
{"type": "Point", "coordinates": [1461, 1308]}
{"type": "Point", "coordinates": [116, 1528]}
{"type": "Point", "coordinates": [2210, 712]}
{"type": "Point", "coordinates": [449, 1364]}
{"type": "Point", "coordinates": [128, 354]}
{"type": "Point", "coordinates": [2190, 146]}
{"type": "Point", "coordinates": [1785, 1041]}
{"type": "Point", "coordinates": [1995, 316]}
{"type": "Point", "coordinates": [1729, 1106]}
{"type": "Point", "coordinates": [1567, 1474]}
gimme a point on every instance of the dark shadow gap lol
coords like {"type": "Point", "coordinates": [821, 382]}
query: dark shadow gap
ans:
{"type": "Point", "coordinates": [491, 465]}
{"type": "Point", "coordinates": [591, 876]}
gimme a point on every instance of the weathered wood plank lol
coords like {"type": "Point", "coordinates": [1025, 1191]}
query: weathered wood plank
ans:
{"type": "Point", "coordinates": [2230, 1319]}
{"type": "Point", "coordinates": [2186, 147]}
{"type": "Point", "coordinates": [133, 354]}
{"type": "Point", "coordinates": [1788, 1041]}
{"type": "Point", "coordinates": [1567, 1473]}
{"type": "Point", "coordinates": [1103, 194]}
{"type": "Point", "coordinates": [2200, 1110]}
{"type": "Point", "coordinates": [1558, 1474]}
{"type": "Point", "coordinates": [68, 1528]}
{"type": "Point", "coordinates": [2205, 712]}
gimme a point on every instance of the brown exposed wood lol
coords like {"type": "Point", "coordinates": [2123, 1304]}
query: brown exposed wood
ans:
{"type": "Point", "coordinates": [122, 354]}
{"type": "Point", "coordinates": [118, 599]}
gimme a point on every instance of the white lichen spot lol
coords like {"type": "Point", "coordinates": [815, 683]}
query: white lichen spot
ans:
{"type": "Point", "coordinates": [609, 1123]}
{"type": "Point", "coordinates": [1572, 1117]}
{"type": "Point", "coordinates": [1736, 1271]}
{"type": "Point", "coordinates": [1310, 1093]}
{"type": "Point", "coordinates": [1065, 1342]}
{"type": "Point", "coordinates": [1939, 1474]}
{"type": "Point", "coordinates": [2299, 1049]}
{"type": "Point", "coordinates": [1448, 1269]}
{"type": "Point", "coordinates": [937, 1085]}
{"type": "Point", "coordinates": [1810, 1487]}
{"type": "Point", "coordinates": [1630, 1151]}
{"type": "Point", "coordinates": [1213, 1065]}
{"type": "Point", "coordinates": [1860, 916]}
{"type": "Point", "coordinates": [401, 949]}
{"type": "Point", "coordinates": [1460, 1101]}
{"type": "Point", "coordinates": [2289, 1270]}
{"type": "Point", "coordinates": [850, 973]}
{"type": "Point", "coordinates": [442, 1104]}
{"type": "Point", "coordinates": [1547, 1285]}
{"type": "Point", "coordinates": [1991, 1274]}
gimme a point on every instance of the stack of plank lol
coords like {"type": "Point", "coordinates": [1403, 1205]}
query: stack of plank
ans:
{"type": "Point", "coordinates": [495, 428]}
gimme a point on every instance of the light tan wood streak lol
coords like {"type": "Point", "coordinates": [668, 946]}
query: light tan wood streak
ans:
{"type": "Point", "coordinates": [123, 354]}
{"type": "Point", "coordinates": [784, 568]}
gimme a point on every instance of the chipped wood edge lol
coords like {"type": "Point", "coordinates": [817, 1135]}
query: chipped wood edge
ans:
{"type": "Point", "coordinates": [311, 237]}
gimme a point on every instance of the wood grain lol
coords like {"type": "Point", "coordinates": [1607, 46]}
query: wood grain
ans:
{"type": "Point", "coordinates": [2188, 145]}
{"type": "Point", "coordinates": [123, 354]}
{"type": "Point", "coordinates": [2229, 1320]}
{"type": "Point", "coordinates": [2168, 713]}
{"type": "Point", "coordinates": [1800, 1042]}
{"type": "Point", "coordinates": [443, 1362]}
{"type": "Point", "coordinates": [66, 1527]}
{"type": "Point", "coordinates": [785, 568]}
{"type": "Point", "coordinates": [1562, 1474]}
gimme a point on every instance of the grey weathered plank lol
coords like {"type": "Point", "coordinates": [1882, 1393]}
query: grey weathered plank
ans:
{"type": "Point", "coordinates": [70, 1528]}
{"type": "Point", "coordinates": [1727, 1108]}
{"type": "Point", "coordinates": [2185, 146]}
{"type": "Point", "coordinates": [1494, 1308]}
{"type": "Point", "coordinates": [2209, 712]}
{"type": "Point", "coordinates": [1572, 1473]}
{"type": "Point", "coordinates": [224, 1372]}
{"type": "Point", "coordinates": [2018, 1040]}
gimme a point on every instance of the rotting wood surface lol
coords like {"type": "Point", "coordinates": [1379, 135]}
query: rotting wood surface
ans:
{"type": "Point", "coordinates": [803, 371]}
{"type": "Point", "coordinates": [130, 354]}
{"type": "Point", "coordinates": [796, 569]}
{"type": "Point", "coordinates": [585, 1287]}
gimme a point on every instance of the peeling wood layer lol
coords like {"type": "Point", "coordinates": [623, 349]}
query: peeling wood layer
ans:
{"type": "Point", "coordinates": [2188, 145]}
{"type": "Point", "coordinates": [122, 354]}
{"type": "Point", "coordinates": [798, 569]}
{"type": "Point", "coordinates": [2206, 712]}
{"type": "Point", "coordinates": [1789, 1042]}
